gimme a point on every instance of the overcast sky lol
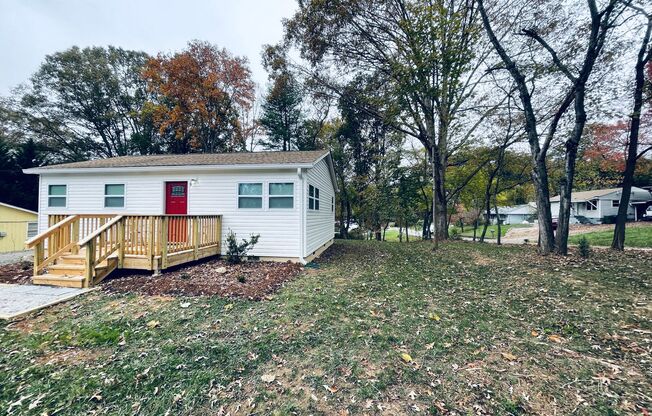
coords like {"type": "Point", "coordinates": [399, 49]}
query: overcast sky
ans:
{"type": "Point", "coordinates": [31, 29]}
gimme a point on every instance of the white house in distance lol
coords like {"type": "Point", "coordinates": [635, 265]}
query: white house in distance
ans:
{"type": "Point", "coordinates": [519, 214]}
{"type": "Point", "coordinates": [286, 197]}
{"type": "Point", "coordinates": [594, 206]}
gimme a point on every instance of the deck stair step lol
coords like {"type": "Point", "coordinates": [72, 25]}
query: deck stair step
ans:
{"type": "Point", "coordinates": [56, 280]}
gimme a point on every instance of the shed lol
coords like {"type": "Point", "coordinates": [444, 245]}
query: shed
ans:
{"type": "Point", "coordinates": [16, 225]}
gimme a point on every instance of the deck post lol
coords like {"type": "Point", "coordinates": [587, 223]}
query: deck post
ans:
{"type": "Point", "coordinates": [150, 241]}
{"type": "Point", "coordinates": [39, 256]}
{"type": "Point", "coordinates": [75, 236]}
{"type": "Point", "coordinates": [218, 234]}
{"type": "Point", "coordinates": [195, 237]}
{"type": "Point", "coordinates": [164, 243]}
{"type": "Point", "coordinates": [89, 266]}
{"type": "Point", "coordinates": [121, 243]}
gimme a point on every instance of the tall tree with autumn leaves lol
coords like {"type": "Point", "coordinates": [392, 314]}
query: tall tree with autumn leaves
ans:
{"type": "Point", "coordinates": [200, 94]}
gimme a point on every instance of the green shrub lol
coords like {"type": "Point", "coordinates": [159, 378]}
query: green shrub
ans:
{"type": "Point", "coordinates": [236, 251]}
{"type": "Point", "coordinates": [584, 247]}
{"type": "Point", "coordinates": [454, 233]}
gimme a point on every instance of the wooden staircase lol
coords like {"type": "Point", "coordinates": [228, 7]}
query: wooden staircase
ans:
{"type": "Point", "coordinates": [69, 270]}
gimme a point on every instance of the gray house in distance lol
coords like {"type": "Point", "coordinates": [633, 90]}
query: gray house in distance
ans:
{"type": "Point", "coordinates": [596, 205]}
{"type": "Point", "coordinates": [519, 214]}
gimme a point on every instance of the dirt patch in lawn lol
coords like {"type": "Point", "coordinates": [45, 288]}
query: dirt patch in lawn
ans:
{"type": "Point", "coordinates": [16, 273]}
{"type": "Point", "coordinates": [250, 280]}
{"type": "Point", "coordinates": [72, 356]}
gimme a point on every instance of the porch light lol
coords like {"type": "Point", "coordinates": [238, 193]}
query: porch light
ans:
{"type": "Point", "coordinates": [194, 182]}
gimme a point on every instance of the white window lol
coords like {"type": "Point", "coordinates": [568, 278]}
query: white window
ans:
{"type": "Point", "coordinates": [615, 203]}
{"type": "Point", "coordinates": [114, 196]}
{"type": "Point", "coordinates": [281, 195]}
{"type": "Point", "coordinates": [313, 198]}
{"type": "Point", "coordinates": [250, 195]}
{"type": "Point", "coordinates": [57, 195]}
{"type": "Point", "coordinates": [32, 229]}
{"type": "Point", "coordinates": [592, 205]}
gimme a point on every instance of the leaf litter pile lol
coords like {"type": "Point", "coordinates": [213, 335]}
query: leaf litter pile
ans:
{"type": "Point", "coordinates": [249, 280]}
{"type": "Point", "coordinates": [375, 328]}
{"type": "Point", "coordinates": [16, 273]}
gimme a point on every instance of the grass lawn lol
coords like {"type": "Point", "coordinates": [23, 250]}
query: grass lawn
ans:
{"type": "Point", "coordinates": [392, 235]}
{"type": "Point", "coordinates": [468, 231]}
{"type": "Point", "coordinates": [639, 236]}
{"type": "Point", "coordinates": [377, 328]}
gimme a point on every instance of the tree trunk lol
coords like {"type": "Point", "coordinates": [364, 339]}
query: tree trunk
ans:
{"type": "Point", "coordinates": [570, 158]}
{"type": "Point", "coordinates": [618, 242]}
{"type": "Point", "coordinates": [546, 239]}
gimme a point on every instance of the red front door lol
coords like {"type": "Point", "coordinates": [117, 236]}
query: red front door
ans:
{"type": "Point", "coordinates": [176, 203]}
{"type": "Point", "coordinates": [176, 198]}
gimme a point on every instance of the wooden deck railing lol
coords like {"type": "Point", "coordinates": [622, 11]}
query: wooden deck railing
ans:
{"type": "Point", "coordinates": [148, 241]}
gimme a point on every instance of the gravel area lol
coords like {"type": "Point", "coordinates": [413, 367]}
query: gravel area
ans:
{"type": "Point", "coordinates": [16, 256]}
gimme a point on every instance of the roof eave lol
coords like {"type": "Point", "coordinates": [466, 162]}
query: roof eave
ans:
{"type": "Point", "coordinates": [163, 168]}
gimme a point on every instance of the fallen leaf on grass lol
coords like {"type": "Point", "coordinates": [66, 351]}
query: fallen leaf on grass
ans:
{"type": "Point", "coordinates": [153, 324]}
{"type": "Point", "coordinates": [434, 317]}
{"type": "Point", "coordinates": [332, 389]}
{"type": "Point", "coordinates": [534, 333]}
{"type": "Point", "coordinates": [430, 346]}
{"type": "Point", "coordinates": [184, 305]}
{"type": "Point", "coordinates": [555, 338]}
{"type": "Point", "coordinates": [228, 307]}
{"type": "Point", "coordinates": [268, 378]}
{"type": "Point", "coordinates": [406, 357]}
{"type": "Point", "coordinates": [508, 356]}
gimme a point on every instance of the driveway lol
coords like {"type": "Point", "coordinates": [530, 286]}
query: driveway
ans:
{"type": "Point", "coordinates": [17, 300]}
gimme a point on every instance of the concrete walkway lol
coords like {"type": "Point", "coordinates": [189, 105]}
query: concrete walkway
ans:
{"type": "Point", "coordinates": [17, 300]}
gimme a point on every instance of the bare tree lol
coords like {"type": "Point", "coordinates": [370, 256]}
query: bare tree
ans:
{"type": "Point", "coordinates": [601, 22]}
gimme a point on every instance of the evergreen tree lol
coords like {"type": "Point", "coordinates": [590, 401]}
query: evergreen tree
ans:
{"type": "Point", "coordinates": [282, 117]}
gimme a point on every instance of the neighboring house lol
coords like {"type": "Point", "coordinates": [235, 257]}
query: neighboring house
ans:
{"type": "Point", "coordinates": [286, 197]}
{"type": "Point", "coordinates": [16, 225]}
{"type": "Point", "coordinates": [519, 214]}
{"type": "Point", "coordinates": [601, 205]}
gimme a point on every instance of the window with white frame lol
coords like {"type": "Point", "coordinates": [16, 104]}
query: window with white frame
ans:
{"type": "Point", "coordinates": [32, 229]}
{"type": "Point", "coordinates": [615, 203]}
{"type": "Point", "coordinates": [57, 196]}
{"type": "Point", "coordinates": [592, 205]}
{"type": "Point", "coordinates": [114, 195]}
{"type": "Point", "coordinates": [250, 195]}
{"type": "Point", "coordinates": [281, 195]}
{"type": "Point", "coordinates": [313, 198]}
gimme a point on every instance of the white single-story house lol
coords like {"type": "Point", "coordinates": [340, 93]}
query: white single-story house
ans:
{"type": "Point", "coordinates": [518, 214]}
{"type": "Point", "coordinates": [288, 198]}
{"type": "Point", "coordinates": [596, 205]}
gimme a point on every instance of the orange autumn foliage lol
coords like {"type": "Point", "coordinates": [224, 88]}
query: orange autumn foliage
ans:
{"type": "Point", "coordinates": [201, 93]}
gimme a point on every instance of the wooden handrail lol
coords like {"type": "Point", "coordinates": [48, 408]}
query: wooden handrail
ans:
{"type": "Point", "coordinates": [99, 231]}
{"type": "Point", "coordinates": [45, 234]}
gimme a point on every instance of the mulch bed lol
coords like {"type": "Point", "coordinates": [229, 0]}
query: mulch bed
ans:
{"type": "Point", "coordinates": [250, 280]}
{"type": "Point", "coordinates": [16, 273]}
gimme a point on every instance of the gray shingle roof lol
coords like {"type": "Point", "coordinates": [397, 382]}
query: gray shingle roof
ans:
{"type": "Point", "coordinates": [586, 195]}
{"type": "Point", "coordinates": [198, 159]}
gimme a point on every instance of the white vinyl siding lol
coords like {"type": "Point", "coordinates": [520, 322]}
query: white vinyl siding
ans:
{"type": "Point", "coordinates": [319, 222]}
{"type": "Point", "coordinates": [213, 193]}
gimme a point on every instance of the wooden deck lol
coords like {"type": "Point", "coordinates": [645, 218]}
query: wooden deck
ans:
{"type": "Point", "coordinates": [80, 250]}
